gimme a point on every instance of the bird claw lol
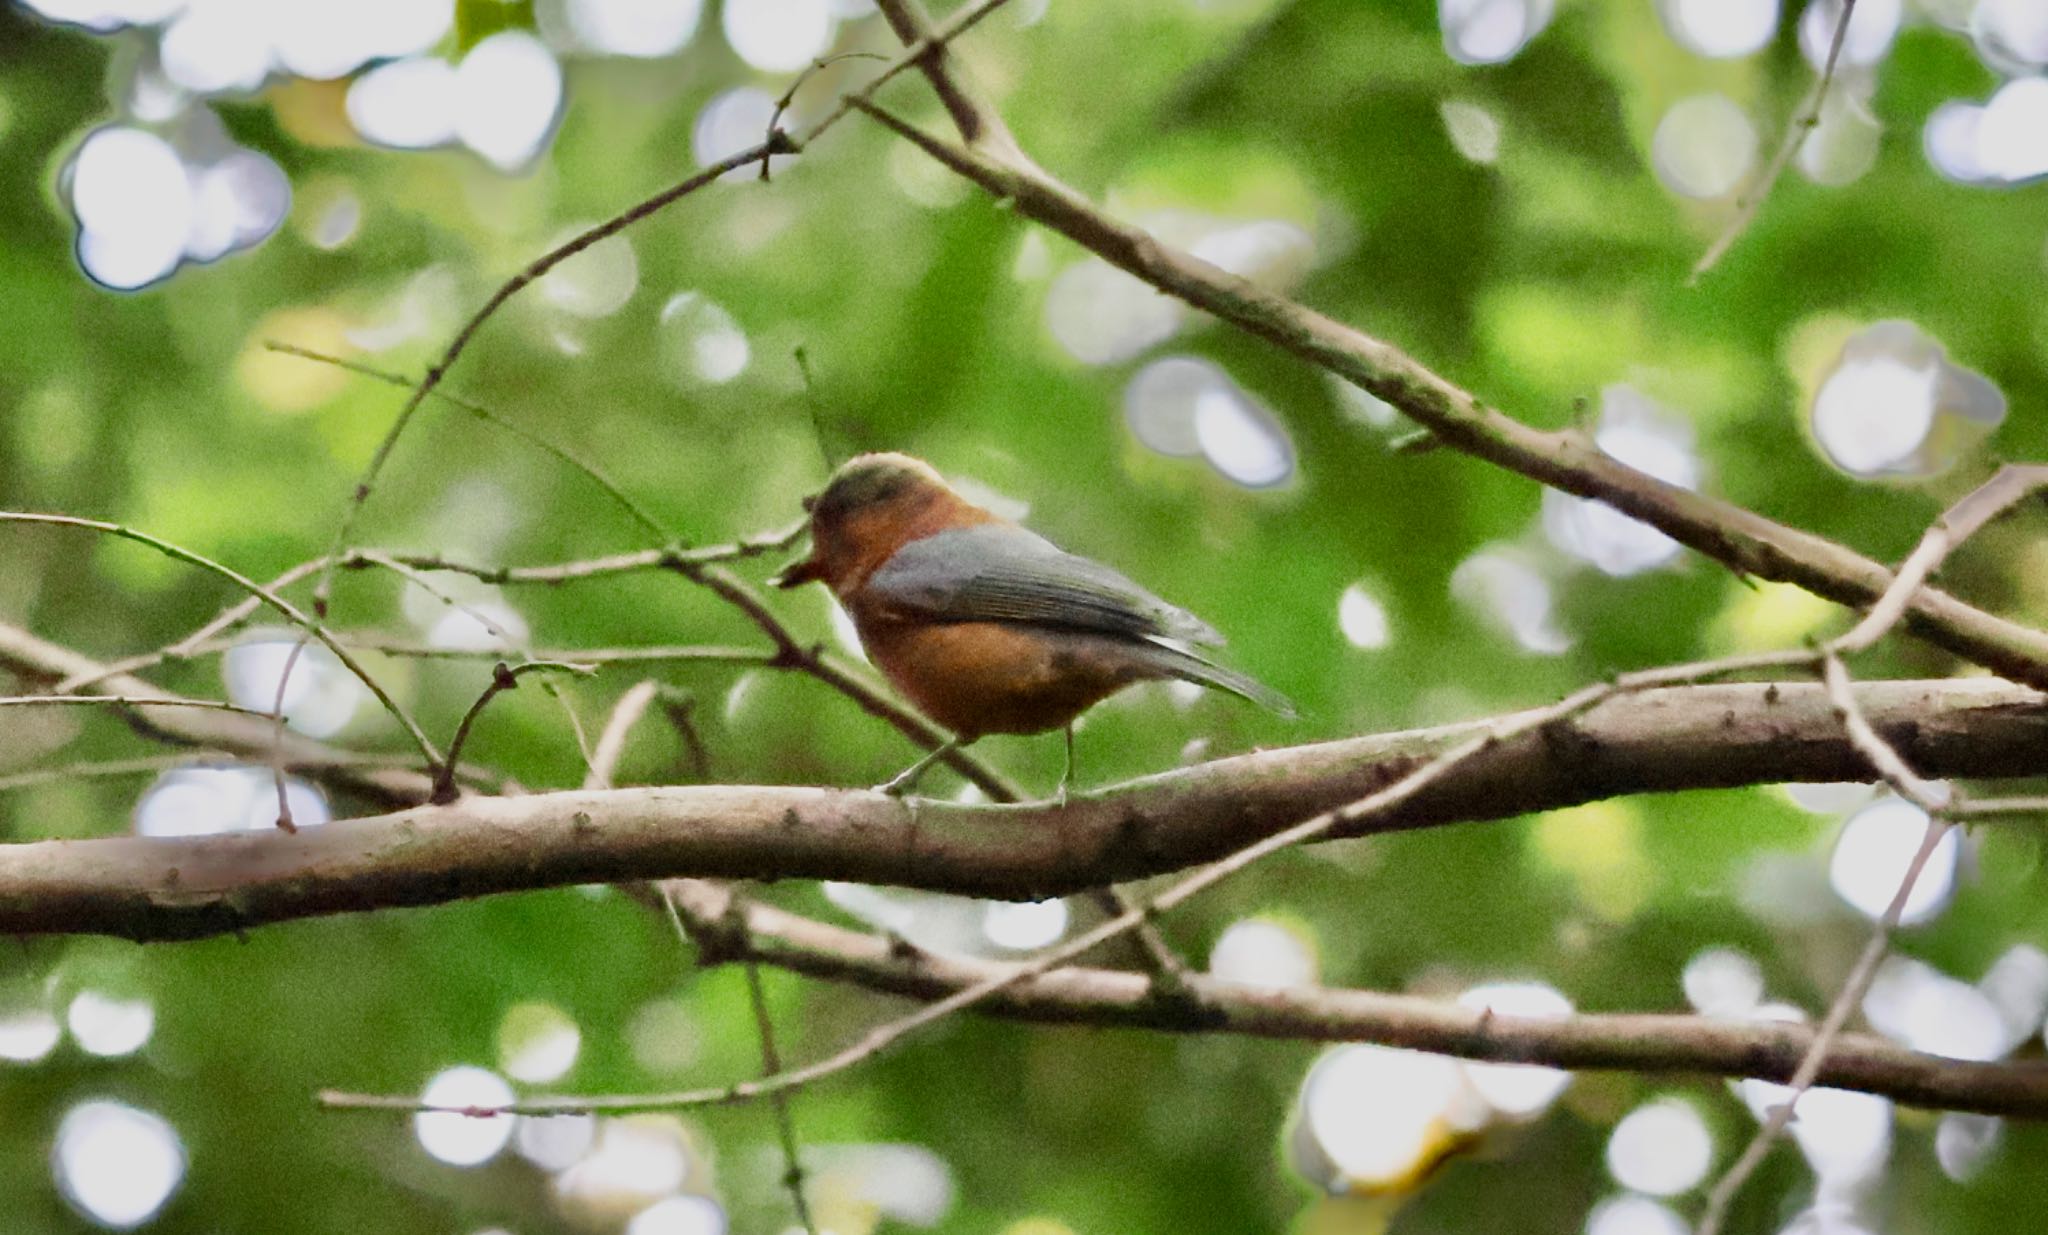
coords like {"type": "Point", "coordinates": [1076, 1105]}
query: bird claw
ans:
{"type": "Point", "coordinates": [1168, 987]}
{"type": "Point", "coordinates": [895, 786]}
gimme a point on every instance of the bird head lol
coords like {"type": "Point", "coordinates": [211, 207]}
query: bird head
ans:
{"type": "Point", "coordinates": [871, 507]}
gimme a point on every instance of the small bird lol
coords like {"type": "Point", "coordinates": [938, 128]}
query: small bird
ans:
{"type": "Point", "coordinates": [987, 627]}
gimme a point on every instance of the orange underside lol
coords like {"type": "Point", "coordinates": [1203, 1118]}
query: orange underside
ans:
{"type": "Point", "coordinates": [992, 677]}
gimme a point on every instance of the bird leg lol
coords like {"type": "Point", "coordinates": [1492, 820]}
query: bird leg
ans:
{"type": "Point", "coordinates": [903, 781]}
{"type": "Point", "coordinates": [1067, 777]}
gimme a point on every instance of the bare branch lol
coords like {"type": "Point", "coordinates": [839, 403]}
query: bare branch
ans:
{"type": "Point", "coordinates": [371, 776]}
{"type": "Point", "coordinates": [266, 595]}
{"type": "Point", "coordinates": [624, 500]}
{"type": "Point", "coordinates": [1652, 1043]}
{"type": "Point", "coordinates": [1796, 133]}
{"type": "Point", "coordinates": [1740, 539]}
{"type": "Point", "coordinates": [127, 701]}
{"type": "Point", "coordinates": [503, 678]}
{"type": "Point", "coordinates": [2012, 484]}
{"type": "Point", "coordinates": [192, 644]}
{"type": "Point", "coordinates": [1683, 738]}
{"type": "Point", "coordinates": [1348, 816]}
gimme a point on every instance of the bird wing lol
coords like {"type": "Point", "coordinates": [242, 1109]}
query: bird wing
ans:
{"type": "Point", "coordinates": [1001, 573]}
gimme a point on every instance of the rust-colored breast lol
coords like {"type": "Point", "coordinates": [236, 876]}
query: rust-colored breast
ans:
{"type": "Point", "coordinates": [872, 537]}
{"type": "Point", "coordinates": [995, 677]}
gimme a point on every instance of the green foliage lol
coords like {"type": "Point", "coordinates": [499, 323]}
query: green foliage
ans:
{"type": "Point", "coordinates": [1536, 282]}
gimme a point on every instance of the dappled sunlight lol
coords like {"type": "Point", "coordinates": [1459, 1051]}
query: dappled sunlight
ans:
{"type": "Point", "coordinates": [1705, 147]}
{"type": "Point", "coordinates": [1871, 855]}
{"type": "Point", "coordinates": [1264, 952]}
{"type": "Point", "coordinates": [1661, 1148]}
{"type": "Point", "coordinates": [1650, 438]}
{"type": "Point", "coordinates": [117, 1164]}
{"type": "Point", "coordinates": [1354, 328]}
{"type": "Point", "coordinates": [456, 1138]}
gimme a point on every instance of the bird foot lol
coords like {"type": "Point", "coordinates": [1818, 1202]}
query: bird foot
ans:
{"type": "Point", "coordinates": [1169, 988]}
{"type": "Point", "coordinates": [896, 786]}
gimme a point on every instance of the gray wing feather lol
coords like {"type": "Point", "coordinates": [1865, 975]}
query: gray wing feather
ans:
{"type": "Point", "coordinates": [996, 573]}
{"type": "Point", "coordinates": [1183, 664]}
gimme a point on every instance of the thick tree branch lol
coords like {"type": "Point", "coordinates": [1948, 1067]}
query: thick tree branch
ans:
{"type": "Point", "coordinates": [1633, 1042]}
{"type": "Point", "coordinates": [1565, 460]}
{"type": "Point", "coordinates": [1679, 738]}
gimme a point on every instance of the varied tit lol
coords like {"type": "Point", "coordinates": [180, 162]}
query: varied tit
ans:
{"type": "Point", "coordinates": [985, 626]}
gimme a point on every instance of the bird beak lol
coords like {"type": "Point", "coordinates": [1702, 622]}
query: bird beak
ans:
{"type": "Point", "coordinates": [796, 574]}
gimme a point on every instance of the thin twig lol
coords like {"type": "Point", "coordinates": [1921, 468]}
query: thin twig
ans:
{"type": "Point", "coordinates": [193, 644]}
{"type": "Point", "coordinates": [918, 53]}
{"type": "Point", "coordinates": [624, 500]}
{"type": "Point", "coordinates": [266, 595]}
{"type": "Point", "coordinates": [1854, 988]}
{"type": "Point", "coordinates": [164, 763]}
{"type": "Point", "coordinates": [276, 756]}
{"type": "Point", "coordinates": [884, 1037]}
{"type": "Point", "coordinates": [496, 630]}
{"type": "Point", "coordinates": [1740, 539]}
{"type": "Point", "coordinates": [503, 678]}
{"type": "Point", "coordinates": [127, 701]}
{"type": "Point", "coordinates": [721, 653]}
{"type": "Point", "coordinates": [789, 96]}
{"type": "Point", "coordinates": [611, 744]}
{"type": "Point", "coordinates": [345, 530]}
{"type": "Point", "coordinates": [1796, 133]}
{"type": "Point", "coordinates": [777, 143]}
{"type": "Point", "coordinates": [611, 740]}
{"type": "Point", "coordinates": [785, 1122]}
{"type": "Point", "coordinates": [1957, 524]}
{"type": "Point", "coordinates": [2010, 485]}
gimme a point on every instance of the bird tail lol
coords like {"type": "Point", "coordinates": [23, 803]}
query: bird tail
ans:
{"type": "Point", "coordinates": [1187, 666]}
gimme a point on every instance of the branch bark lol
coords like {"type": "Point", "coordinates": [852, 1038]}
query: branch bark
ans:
{"type": "Point", "coordinates": [1567, 460]}
{"type": "Point", "coordinates": [1679, 738]}
{"type": "Point", "coordinates": [44, 664]}
{"type": "Point", "coordinates": [1634, 1042]}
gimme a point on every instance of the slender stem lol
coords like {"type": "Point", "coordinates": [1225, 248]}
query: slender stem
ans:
{"type": "Point", "coordinates": [266, 595]}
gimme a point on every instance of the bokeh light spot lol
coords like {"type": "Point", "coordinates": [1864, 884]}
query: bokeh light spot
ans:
{"type": "Point", "coordinates": [635, 27]}
{"type": "Point", "coordinates": [1703, 147]}
{"type": "Point", "coordinates": [1723, 982]}
{"type": "Point", "coordinates": [700, 343]}
{"type": "Point", "coordinates": [778, 36]}
{"type": "Point", "coordinates": [508, 95]}
{"type": "Point", "coordinates": [1361, 618]}
{"type": "Point", "coordinates": [1263, 952]}
{"type": "Point", "coordinates": [1490, 31]}
{"type": "Point", "coordinates": [320, 696]}
{"type": "Point", "coordinates": [1241, 439]}
{"type": "Point", "coordinates": [596, 282]}
{"type": "Point", "coordinates": [679, 1215]}
{"type": "Point", "coordinates": [1661, 1148]}
{"type": "Point", "coordinates": [537, 1042]}
{"type": "Point", "coordinates": [108, 1026]}
{"type": "Point", "coordinates": [116, 1164]}
{"type": "Point", "coordinates": [1021, 926]}
{"type": "Point", "coordinates": [1871, 856]}
{"type": "Point", "coordinates": [1516, 1090]}
{"type": "Point", "coordinates": [1379, 1116]}
{"type": "Point", "coordinates": [461, 1139]}
{"type": "Point", "coordinates": [1474, 131]}
{"type": "Point", "coordinates": [1720, 28]}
